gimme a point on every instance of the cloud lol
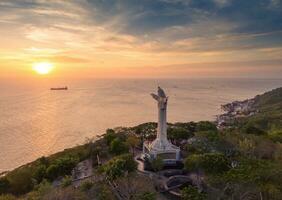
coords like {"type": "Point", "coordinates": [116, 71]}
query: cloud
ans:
{"type": "Point", "coordinates": [142, 31]}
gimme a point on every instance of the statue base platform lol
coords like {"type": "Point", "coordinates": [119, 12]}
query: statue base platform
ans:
{"type": "Point", "coordinates": [163, 149]}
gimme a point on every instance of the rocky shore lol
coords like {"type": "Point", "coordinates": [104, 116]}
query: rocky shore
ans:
{"type": "Point", "coordinates": [235, 110]}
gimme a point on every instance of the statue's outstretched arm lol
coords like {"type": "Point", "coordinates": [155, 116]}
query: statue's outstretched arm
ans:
{"type": "Point", "coordinates": [155, 96]}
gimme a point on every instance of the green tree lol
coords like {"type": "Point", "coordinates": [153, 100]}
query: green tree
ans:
{"type": "Point", "coordinates": [178, 133]}
{"type": "Point", "coordinates": [115, 169]}
{"type": "Point", "coordinates": [118, 147]}
{"type": "Point", "coordinates": [117, 166]}
{"type": "Point", "coordinates": [189, 126]}
{"type": "Point", "coordinates": [39, 191]}
{"type": "Point", "coordinates": [198, 146]}
{"type": "Point", "coordinates": [43, 161]}
{"type": "Point", "coordinates": [39, 173]}
{"type": "Point", "coordinates": [4, 185]}
{"type": "Point", "coordinates": [255, 171]}
{"type": "Point", "coordinates": [211, 135]}
{"type": "Point", "coordinates": [52, 172]}
{"type": "Point", "coordinates": [110, 136]}
{"type": "Point", "coordinates": [132, 141]}
{"type": "Point", "coordinates": [212, 163]}
{"type": "Point", "coordinates": [62, 166]}
{"type": "Point", "coordinates": [205, 126]}
{"type": "Point", "coordinates": [191, 193]}
{"type": "Point", "coordinates": [252, 129]}
{"type": "Point", "coordinates": [20, 180]}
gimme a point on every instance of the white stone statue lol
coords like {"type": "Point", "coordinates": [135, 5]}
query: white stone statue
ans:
{"type": "Point", "coordinates": [162, 122]}
{"type": "Point", "coordinates": [161, 145]}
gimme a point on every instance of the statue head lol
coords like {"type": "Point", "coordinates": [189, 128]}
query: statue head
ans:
{"type": "Point", "coordinates": [161, 92]}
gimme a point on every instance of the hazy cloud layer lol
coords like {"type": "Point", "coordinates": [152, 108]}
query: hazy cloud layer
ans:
{"type": "Point", "coordinates": [141, 32]}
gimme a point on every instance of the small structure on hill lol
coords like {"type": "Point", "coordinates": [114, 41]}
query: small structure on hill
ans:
{"type": "Point", "coordinates": [161, 147]}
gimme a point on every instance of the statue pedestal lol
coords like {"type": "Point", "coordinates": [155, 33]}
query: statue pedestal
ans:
{"type": "Point", "coordinates": [163, 149]}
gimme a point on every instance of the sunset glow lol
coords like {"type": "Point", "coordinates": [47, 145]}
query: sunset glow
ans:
{"type": "Point", "coordinates": [149, 39]}
{"type": "Point", "coordinates": [43, 68]}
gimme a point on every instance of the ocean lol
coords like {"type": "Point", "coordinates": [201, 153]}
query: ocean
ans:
{"type": "Point", "coordinates": [35, 121]}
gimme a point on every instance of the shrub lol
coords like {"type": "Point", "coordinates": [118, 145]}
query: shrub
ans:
{"type": "Point", "coordinates": [198, 146]}
{"type": "Point", "coordinates": [39, 191]}
{"type": "Point", "coordinates": [85, 186]}
{"type": "Point", "coordinates": [147, 130]}
{"type": "Point", "coordinates": [211, 135]}
{"type": "Point", "coordinates": [189, 126]}
{"type": "Point", "coordinates": [132, 141]}
{"type": "Point", "coordinates": [254, 171]}
{"type": "Point", "coordinates": [101, 191]}
{"type": "Point", "coordinates": [147, 196]}
{"type": "Point", "coordinates": [62, 166]}
{"type": "Point", "coordinates": [20, 180]}
{"type": "Point", "coordinates": [195, 149]}
{"type": "Point", "coordinates": [68, 193]}
{"type": "Point", "coordinates": [191, 193]}
{"type": "Point", "coordinates": [67, 181]}
{"type": "Point", "coordinates": [249, 129]}
{"type": "Point", "coordinates": [212, 163]}
{"type": "Point", "coordinates": [276, 136]}
{"type": "Point", "coordinates": [206, 126]}
{"type": "Point", "coordinates": [7, 197]}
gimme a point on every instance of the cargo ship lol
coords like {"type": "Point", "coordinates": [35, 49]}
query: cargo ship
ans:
{"type": "Point", "coordinates": [59, 88]}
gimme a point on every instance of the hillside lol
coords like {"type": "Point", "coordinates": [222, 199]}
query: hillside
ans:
{"type": "Point", "coordinates": [261, 115]}
{"type": "Point", "coordinates": [268, 119]}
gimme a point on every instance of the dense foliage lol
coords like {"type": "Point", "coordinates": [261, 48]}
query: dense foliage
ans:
{"type": "Point", "coordinates": [119, 165]}
{"type": "Point", "coordinates": [118, 146]}
{"type": "Point", "coordinates": [61, 167]}
{"type": "Point", "coordinates": [191, 193]}
{"type": "Point", "coordinates": [211, 163]}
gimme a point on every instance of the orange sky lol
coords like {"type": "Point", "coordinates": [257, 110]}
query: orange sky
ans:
{"type": "Point", "coordinates": [82, 40]}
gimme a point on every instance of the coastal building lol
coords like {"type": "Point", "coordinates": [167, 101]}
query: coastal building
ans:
{"type": "Point", "coordinates": [161, 147]}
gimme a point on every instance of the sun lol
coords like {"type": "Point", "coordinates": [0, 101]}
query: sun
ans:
{"type": "Point", "coordinates": [43, 68]}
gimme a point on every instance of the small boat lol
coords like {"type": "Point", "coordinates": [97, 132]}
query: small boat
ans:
{"type": "Point", "coordinates": [59, 88]}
